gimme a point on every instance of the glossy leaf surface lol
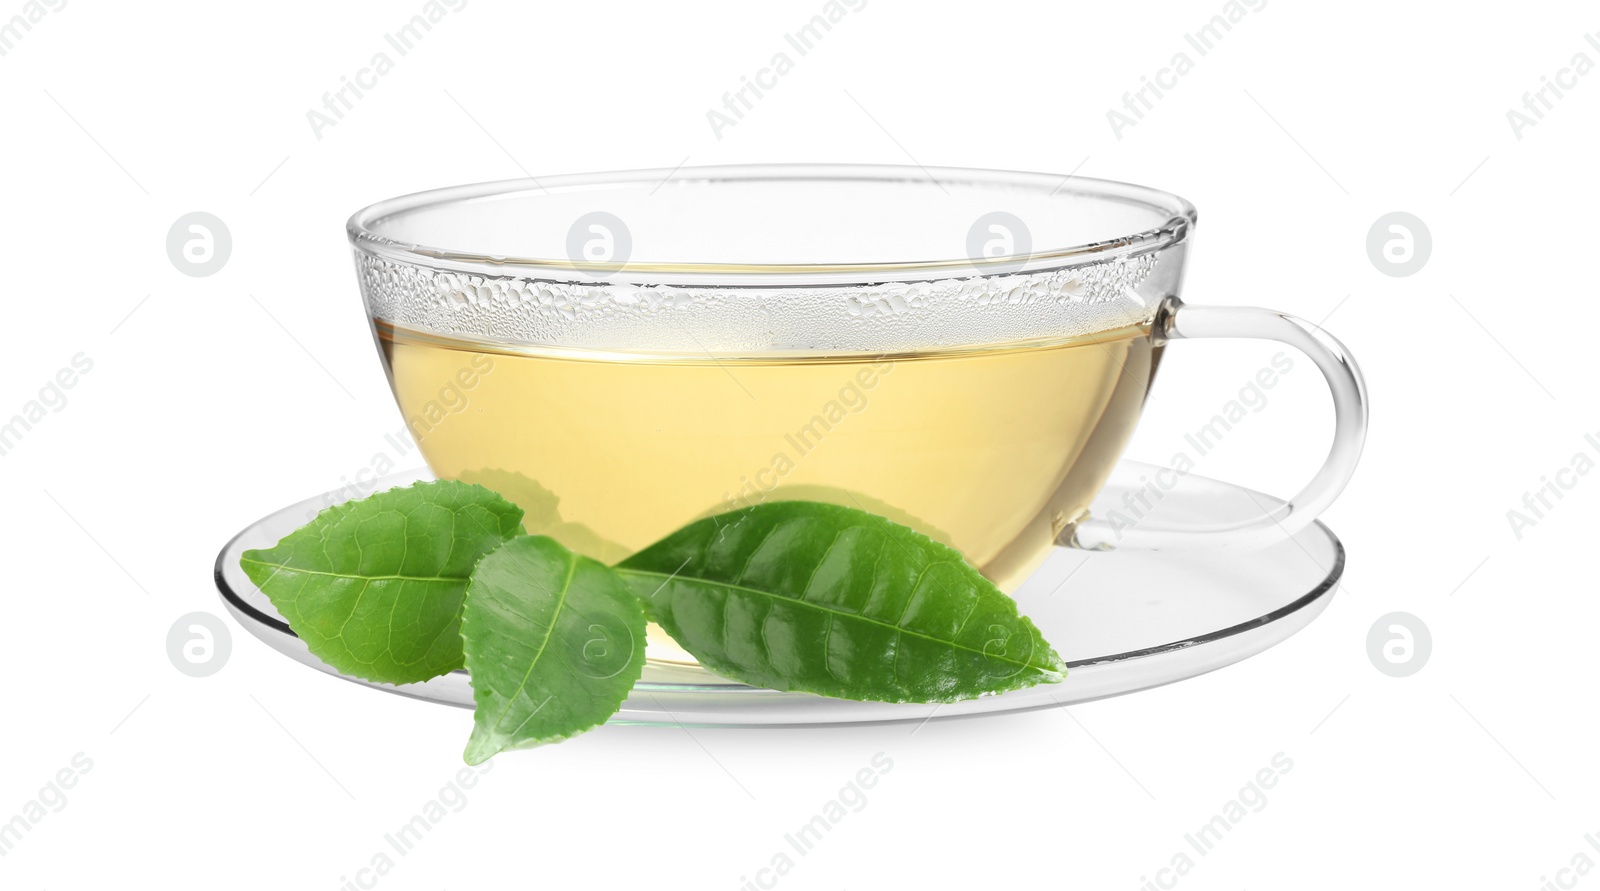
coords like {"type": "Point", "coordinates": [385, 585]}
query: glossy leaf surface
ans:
{"type": "Point", "coordinates": [374, 587]}
{"type": "Point", "coordinates": [799, 595]}
{"type": "Point", "coordinates": [554, 642]}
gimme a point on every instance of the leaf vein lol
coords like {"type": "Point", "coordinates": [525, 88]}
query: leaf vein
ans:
{"type": "Point", "coordinates": [354, 575]}
{"type": "Point", "coordinates": [555, 614]}
{"type": "Point", "coordinates": [856, 616]}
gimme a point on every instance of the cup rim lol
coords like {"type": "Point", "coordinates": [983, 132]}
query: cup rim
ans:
{"type": "Point", "coordinates": [1181, 215]}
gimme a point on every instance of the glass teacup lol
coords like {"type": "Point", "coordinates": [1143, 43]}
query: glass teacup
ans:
{"type": "Point", "coordinates": [965, 352]}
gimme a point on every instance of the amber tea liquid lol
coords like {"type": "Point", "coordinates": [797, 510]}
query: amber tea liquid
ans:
{"type": "Point", "coordinates": [991, 450]}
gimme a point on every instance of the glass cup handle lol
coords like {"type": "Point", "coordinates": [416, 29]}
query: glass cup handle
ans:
{"type": "Point", "coordinates": [1183, 322]}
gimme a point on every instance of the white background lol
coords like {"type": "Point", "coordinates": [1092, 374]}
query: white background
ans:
{"type": "Point", "coordinates": [215, 400]}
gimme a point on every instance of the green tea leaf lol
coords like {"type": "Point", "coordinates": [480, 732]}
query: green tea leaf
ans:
{"type": "Point", "coordinates": [554, 642]}
{"type": "Point", "coordinates": [797, 595]}
{"type": "Point", "coordinates": [374, 586]}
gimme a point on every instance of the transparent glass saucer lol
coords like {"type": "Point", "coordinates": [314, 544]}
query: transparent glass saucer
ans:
{"type": "Point", "coordinates": [1124, 620]}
